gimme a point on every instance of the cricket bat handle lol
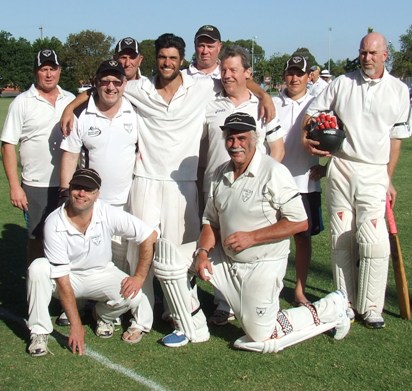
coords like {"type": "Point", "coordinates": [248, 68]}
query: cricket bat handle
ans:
{"type": "Point", "coordinates": [391, 218]}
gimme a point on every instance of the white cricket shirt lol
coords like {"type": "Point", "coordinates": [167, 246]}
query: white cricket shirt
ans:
{"type": "Point", "coordinates": [69, 250]}
{"type": "Point", "coordinates": [34, 122]}
{"type": "Point", "coordinates": [108, 146]}
{"type": "Point", "coordinates": [260, 197]}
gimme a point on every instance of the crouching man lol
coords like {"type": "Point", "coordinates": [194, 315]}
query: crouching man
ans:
{"type": "Point", "coordinates": [253, 208]}
{"type": "Point", "coordinates": [78, 265]}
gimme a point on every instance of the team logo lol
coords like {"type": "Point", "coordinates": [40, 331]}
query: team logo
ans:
{"type": "Point", "coordinates": [128, 128]}
{"type": "Point", "coordinates": [96, 239]}
{"type": "Point", "coordinates": [94, 132]}
{"type": "Point", "coordinates": [128, 41]}
{"type": "Point", "coordinates": [246, 194]}
{"type": "Point", "coordinates": [113, 63]}
{"type": "Point", "coordinates": [260, 311]}
{"type": "Point", "coordinates": [46, 53]}
{"type": "Point", "coordinates": [296, 60]}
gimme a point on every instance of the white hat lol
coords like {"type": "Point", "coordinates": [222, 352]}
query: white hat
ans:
{"type": "Point", "coordinates": [325, 73]}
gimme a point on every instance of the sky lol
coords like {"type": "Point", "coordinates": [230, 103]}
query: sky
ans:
{"type": "Point", "coordinates": [327, 28]}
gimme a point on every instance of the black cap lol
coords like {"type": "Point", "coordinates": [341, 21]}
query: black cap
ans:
{"type": "Point", "coordinates": [45, 55]}
{"type": "Point", "coordinates": [297, 62]}
{"type": "Point", "coordinates": [110, 67]}
{"type": "Point", "coordinates": [208, 31]}
{"type": "Point", "coordinates": [239, 121]}
{"type": "Point", "coordinates": [127, 43]}
{"type": "Point", "coordinates": [86, 177]}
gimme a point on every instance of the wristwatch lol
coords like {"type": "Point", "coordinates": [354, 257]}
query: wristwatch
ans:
{"type": "Point", "coordinates": [198, 250]}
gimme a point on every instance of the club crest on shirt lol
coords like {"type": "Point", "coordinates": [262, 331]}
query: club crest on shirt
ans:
{"type": "Point", "coordinates": [97, 239]}
{"type": "Point", "coordinates": [93, 131]}
{"type": "Point", "coordinates": [128, 127]}
{"type": "Point", "coordinates": [246, 194]}
{"type": "Point", "coordinates": [260, 311]}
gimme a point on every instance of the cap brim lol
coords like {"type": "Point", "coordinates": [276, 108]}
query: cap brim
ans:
{"type": "Point", "coordinates": [206, 35]}
{"type": "Point", "coordinates": [238, 128]}
{"type": "Point", "coordinates": [84, 181]}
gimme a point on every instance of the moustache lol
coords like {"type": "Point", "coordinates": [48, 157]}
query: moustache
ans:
{"type": "Point", "coordinates": [234, 150]}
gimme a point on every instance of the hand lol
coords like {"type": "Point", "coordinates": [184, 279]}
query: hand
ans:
{"type": "Point", "coordinates": [131, 287]}
{"type": "Point", "coordinates": [266, 109]}
{"type": "Point", "coordinates": [310, 145]}
{"type": "Point", "coordinates": [18, 198]}
{"type": "Point", "coordinates": [76, 340]}
{"type": "Point", "coordinates": [202, 264]}
{"type": "Point", "coordinates": [392, 193]}
{"type": "Point", "coordinates": [317, 172]}
{"type": "Point", "coordinates": [239, 241]}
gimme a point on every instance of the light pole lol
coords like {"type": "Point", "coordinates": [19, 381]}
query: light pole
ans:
{"type": "Point", "coordinates": [330, 33]}
{"type": "Point", "coordinates": [41, 32]}
{"type": "Point", "coordinates": [253, 53]}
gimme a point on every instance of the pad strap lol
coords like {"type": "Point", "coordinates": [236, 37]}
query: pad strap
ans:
{"type": "Point", "coordinates": [314, 313]}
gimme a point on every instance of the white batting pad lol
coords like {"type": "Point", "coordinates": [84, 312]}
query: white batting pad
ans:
{"type": "Point", "coordinates": [171, 270]}
{"type": "Point", "coordinates": [374, 252]}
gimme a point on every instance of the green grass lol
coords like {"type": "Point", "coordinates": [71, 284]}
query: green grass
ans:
{"type": "Point", "coordinates": [365, 360]}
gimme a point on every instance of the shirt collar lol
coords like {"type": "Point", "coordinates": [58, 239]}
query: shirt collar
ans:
{"type": "Point", "coordinates": [215, 74]}
{"type": "Point", "coordinates": [64, 224]}
{"type": "Point", "coordinates": [251, 170]}
{"type": "Point", "coordinates": [287, 100]}
{"type": "Point", "coordinates": [374, 81]}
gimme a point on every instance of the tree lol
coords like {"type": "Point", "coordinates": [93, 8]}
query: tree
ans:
{"type": "Point", "coordinates": [83, 52]}
{"type": "Point", "coordinates": [16, 61]}
{"type": "Point", "coordinates": [402, 61]}
{"type": "Point", "coordinates": [148, 65]}
{"type": "Point", "coordinates": [48, 43]}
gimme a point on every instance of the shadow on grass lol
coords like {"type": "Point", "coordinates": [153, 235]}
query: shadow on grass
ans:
{"type": "Point", "coordinates": [13, 268]}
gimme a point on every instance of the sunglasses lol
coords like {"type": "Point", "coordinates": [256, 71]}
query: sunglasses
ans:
{"type": "Point", "coordinates": [105, 83]}
{"type": "Point", "coordinates": [86, 189]}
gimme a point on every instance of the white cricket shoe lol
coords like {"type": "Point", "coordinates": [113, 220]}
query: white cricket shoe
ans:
{"type": "Point", "coordinates": [343, 321]}
{"type": "Point", "coordinates": [373, 320]}
{"type": "Point", "coordinates": [38, 345]}
{"type": "Point", "coordinates": [104, 330]}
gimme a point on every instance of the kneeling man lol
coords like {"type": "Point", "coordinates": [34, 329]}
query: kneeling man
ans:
{"type": "Point", "coordinates": [78, 265]}
{"type": "Point", "coordinates": [252, 210]}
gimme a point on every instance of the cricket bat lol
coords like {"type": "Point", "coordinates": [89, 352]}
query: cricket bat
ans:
{"type": "Point", "coordinates": [398, 265]}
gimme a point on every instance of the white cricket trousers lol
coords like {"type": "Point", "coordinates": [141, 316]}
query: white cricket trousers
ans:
{"type": "Point", "coordinates": [102, 286]}
{"type": "Point", "coordinates": [172, 208]}
{"type": "Point", "coordinates": [252, 290]}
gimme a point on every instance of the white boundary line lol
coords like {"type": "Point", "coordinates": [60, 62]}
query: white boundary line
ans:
{"type": "Point", "coordinates": [6, 315]}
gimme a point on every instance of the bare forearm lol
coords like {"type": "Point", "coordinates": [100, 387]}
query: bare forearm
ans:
{"type": "Point", "coordinates": [66, 121]}
{"type": "Point", "coordinates": [256, 89]}
{"type": "Point", "coordinates": [68, 167]}
{"type": "Point", "coordinates": [146, 252]}
{"type": "Point", "coordinates": [208, 237]}
{"type": "Point", "coordinates": [68, 300]}
{"type": "Point", "coordinates": [395, 153]}
{"type": "Point", "coordinates": [9, 155]}
{"type": "Point", "coordinates": [241, 240]}
{"type": "Point", "coordinates": [283, 229]}
{"type": "Point", "coordinates": [277, 150]}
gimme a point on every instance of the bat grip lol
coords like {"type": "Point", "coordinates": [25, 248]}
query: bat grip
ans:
{"type": "Point", "coordinates": [391, 218]}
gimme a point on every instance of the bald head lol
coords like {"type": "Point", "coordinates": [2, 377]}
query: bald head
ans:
{"type": "Point", "coordinates": [373, 52]}
{"type": "Point", "coordinates": [375, 38]}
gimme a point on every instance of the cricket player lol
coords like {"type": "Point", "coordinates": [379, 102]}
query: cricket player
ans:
{"type": "Point", "coordinates": [33, 122]}
{"type": "Point", "coordinates": [374, 107]}
{"type": "Point", "coordinates": [78, 265]}
{"type": "Point", "coordinates": [243, 247]}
